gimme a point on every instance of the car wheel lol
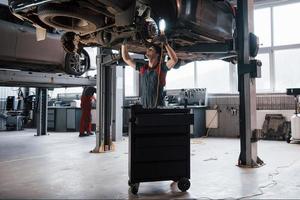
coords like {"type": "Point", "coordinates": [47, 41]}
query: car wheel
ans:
{"type": "Point", "coordinates": [69, 17]}
{"type": "Point", "coordinates": [77, 63]}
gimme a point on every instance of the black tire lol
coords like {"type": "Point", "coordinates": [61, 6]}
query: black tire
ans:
{"type": "Point", "coordinates": [183, 184]}
{"type": "Point", "coordinates": [69, 17]}
{"type": "Point", "coordinates": [134, 188]}
{"type": "Point", "coordinates": [77, 63]}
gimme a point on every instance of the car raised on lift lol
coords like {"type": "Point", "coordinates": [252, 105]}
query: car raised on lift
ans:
{"type": "Point", "coordinates": [20, 50]}
{"type": "Point", "coordinates": [107, 23]}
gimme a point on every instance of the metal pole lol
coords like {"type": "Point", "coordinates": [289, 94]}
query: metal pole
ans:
{"type": "Point", "coordinates": [38, 110]}
{"type": "Point", "coordinates": [42, 111]}
{"type": "Point", "coordinates": [113, 102]}
{"type": "Point", "coordinates": [99, 103]}
{"type": "Point", "coordinates": [107, 108]}
{"type": "Point", "coordinates": [103, 133]}
{"type": "Point", "coordinates": [45, 111]}
{"type": "Point", "coordinates": [26, 92]}
{"type": "Point", "coordinates": [119, 101]}
{"type": "Point", "coordinates": [247, 87]}
{"type": "Point", "coordinates": [26, 108]}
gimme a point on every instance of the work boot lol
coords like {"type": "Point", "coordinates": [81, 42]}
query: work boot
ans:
{"type": "Point", "coordinates": [83, 134]}
{"type": "Point", "coordinates": [90, 133]}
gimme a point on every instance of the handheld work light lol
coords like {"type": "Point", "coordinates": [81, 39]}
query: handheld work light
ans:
{"type": "Point", "coordinates": [162, 26]}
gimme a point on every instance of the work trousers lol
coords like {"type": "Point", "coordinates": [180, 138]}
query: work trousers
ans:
{"type": "Point", "coordinates": [86, 118]}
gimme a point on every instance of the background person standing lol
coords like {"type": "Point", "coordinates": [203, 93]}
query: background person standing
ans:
{"type": "Point", "coordinates": [86, 107]}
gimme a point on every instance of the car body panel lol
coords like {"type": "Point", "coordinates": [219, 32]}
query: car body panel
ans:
{"type": "Point", "coordinates": [208, 18]}
{"type": "Point", "coordinates": [8, 36]}
{"type": "Point", "coordinates": [41, 52]}
{"type": "Point", "coordinates": [202, 14]}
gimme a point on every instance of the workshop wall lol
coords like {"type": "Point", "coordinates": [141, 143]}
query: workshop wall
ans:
{"type": "Point", "coordinates": [2, 110]}
{"type": "Point", "coordinates": [228, 111]}
{"type": "Point", "coordinates": [4, 92]}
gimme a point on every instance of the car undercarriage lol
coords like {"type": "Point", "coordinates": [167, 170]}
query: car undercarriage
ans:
{"type": "Point", "coordinates": [106, 23]}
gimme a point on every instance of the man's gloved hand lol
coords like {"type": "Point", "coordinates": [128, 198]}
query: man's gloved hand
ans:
{"type": "Point", "coordinates": [124, 41]}
{"type": "Point", "coordinates": [163, 39]}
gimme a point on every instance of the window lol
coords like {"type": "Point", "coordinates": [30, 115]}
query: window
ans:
{"type": "Point", "coordinates": [286, 28]}
{"type": "Point", "coordinates": [287, 69]}
{"type": "Point", "coordinates": [262, 26]}
{"type": "Point", "coordinates": [8, 91]}
{"type": "Point", "coordinates": [263, 83]}
{"type": "Point", "coordinates": [56, 91]}
{"type": "Point", "coordinates": [281, 48]}
{"type": "Point", "coordinates": [214, 75]}
{"type": "Point", "coordinates": [130, 83]}
{"type": "Point", "coordinates": [181, 78]}
{"type": "Point", "coordinates": [92, 51]}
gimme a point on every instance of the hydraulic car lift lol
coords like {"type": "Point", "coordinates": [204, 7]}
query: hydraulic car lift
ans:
{"type": "Point", "coordinates": [105, 64]}
{"type": "Point", "coordinates": [106, 95]}
{"type": "Point", "coordinates": [42, 81]}
{"type": "Point", "coordinates": [248, 70]}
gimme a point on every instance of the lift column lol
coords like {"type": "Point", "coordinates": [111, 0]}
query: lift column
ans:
{"type": "Point", "coordinates": [247, 87]}
{"type": "Point", "coordinates": [42, 111]}
{"type": "Point", "coordinates": [104, 103]}
{"type": "Point", "coordinates": [26, 108]}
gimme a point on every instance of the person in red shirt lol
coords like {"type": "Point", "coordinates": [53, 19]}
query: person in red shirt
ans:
{"type": "Point", "coordinates": [86, 107]}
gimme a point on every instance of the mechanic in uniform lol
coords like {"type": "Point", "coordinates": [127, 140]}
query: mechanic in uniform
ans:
{"type": "Point", "coordinates": [86, 107]}
{"type": "Point", "coordinates": [152, 89]}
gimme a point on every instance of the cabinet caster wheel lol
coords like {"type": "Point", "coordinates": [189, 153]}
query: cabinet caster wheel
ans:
{"type": "Point", "coordinates": [288, 138]}
{"type": "Point", "coordinates": [134, 188]}
{"type": "Point", "coordinates": [184, 184]}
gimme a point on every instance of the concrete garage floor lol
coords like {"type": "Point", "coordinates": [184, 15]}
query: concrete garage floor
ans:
{"type": "Point", "coordinates": [60, 166]}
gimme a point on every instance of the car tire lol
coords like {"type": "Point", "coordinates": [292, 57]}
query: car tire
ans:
{"type": "Point", "coordinates": [69, 18]}
{"type": "Point", "coordinates": [77, 63]}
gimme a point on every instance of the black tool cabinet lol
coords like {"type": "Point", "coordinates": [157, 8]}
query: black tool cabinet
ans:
{"type": "Point", "coordinates": [159, 146]}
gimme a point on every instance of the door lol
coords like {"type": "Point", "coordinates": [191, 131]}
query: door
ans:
{"type": "Point", "coordinates": [48, 51]}
{"type": "Point", "coordinates": [8, 34]}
